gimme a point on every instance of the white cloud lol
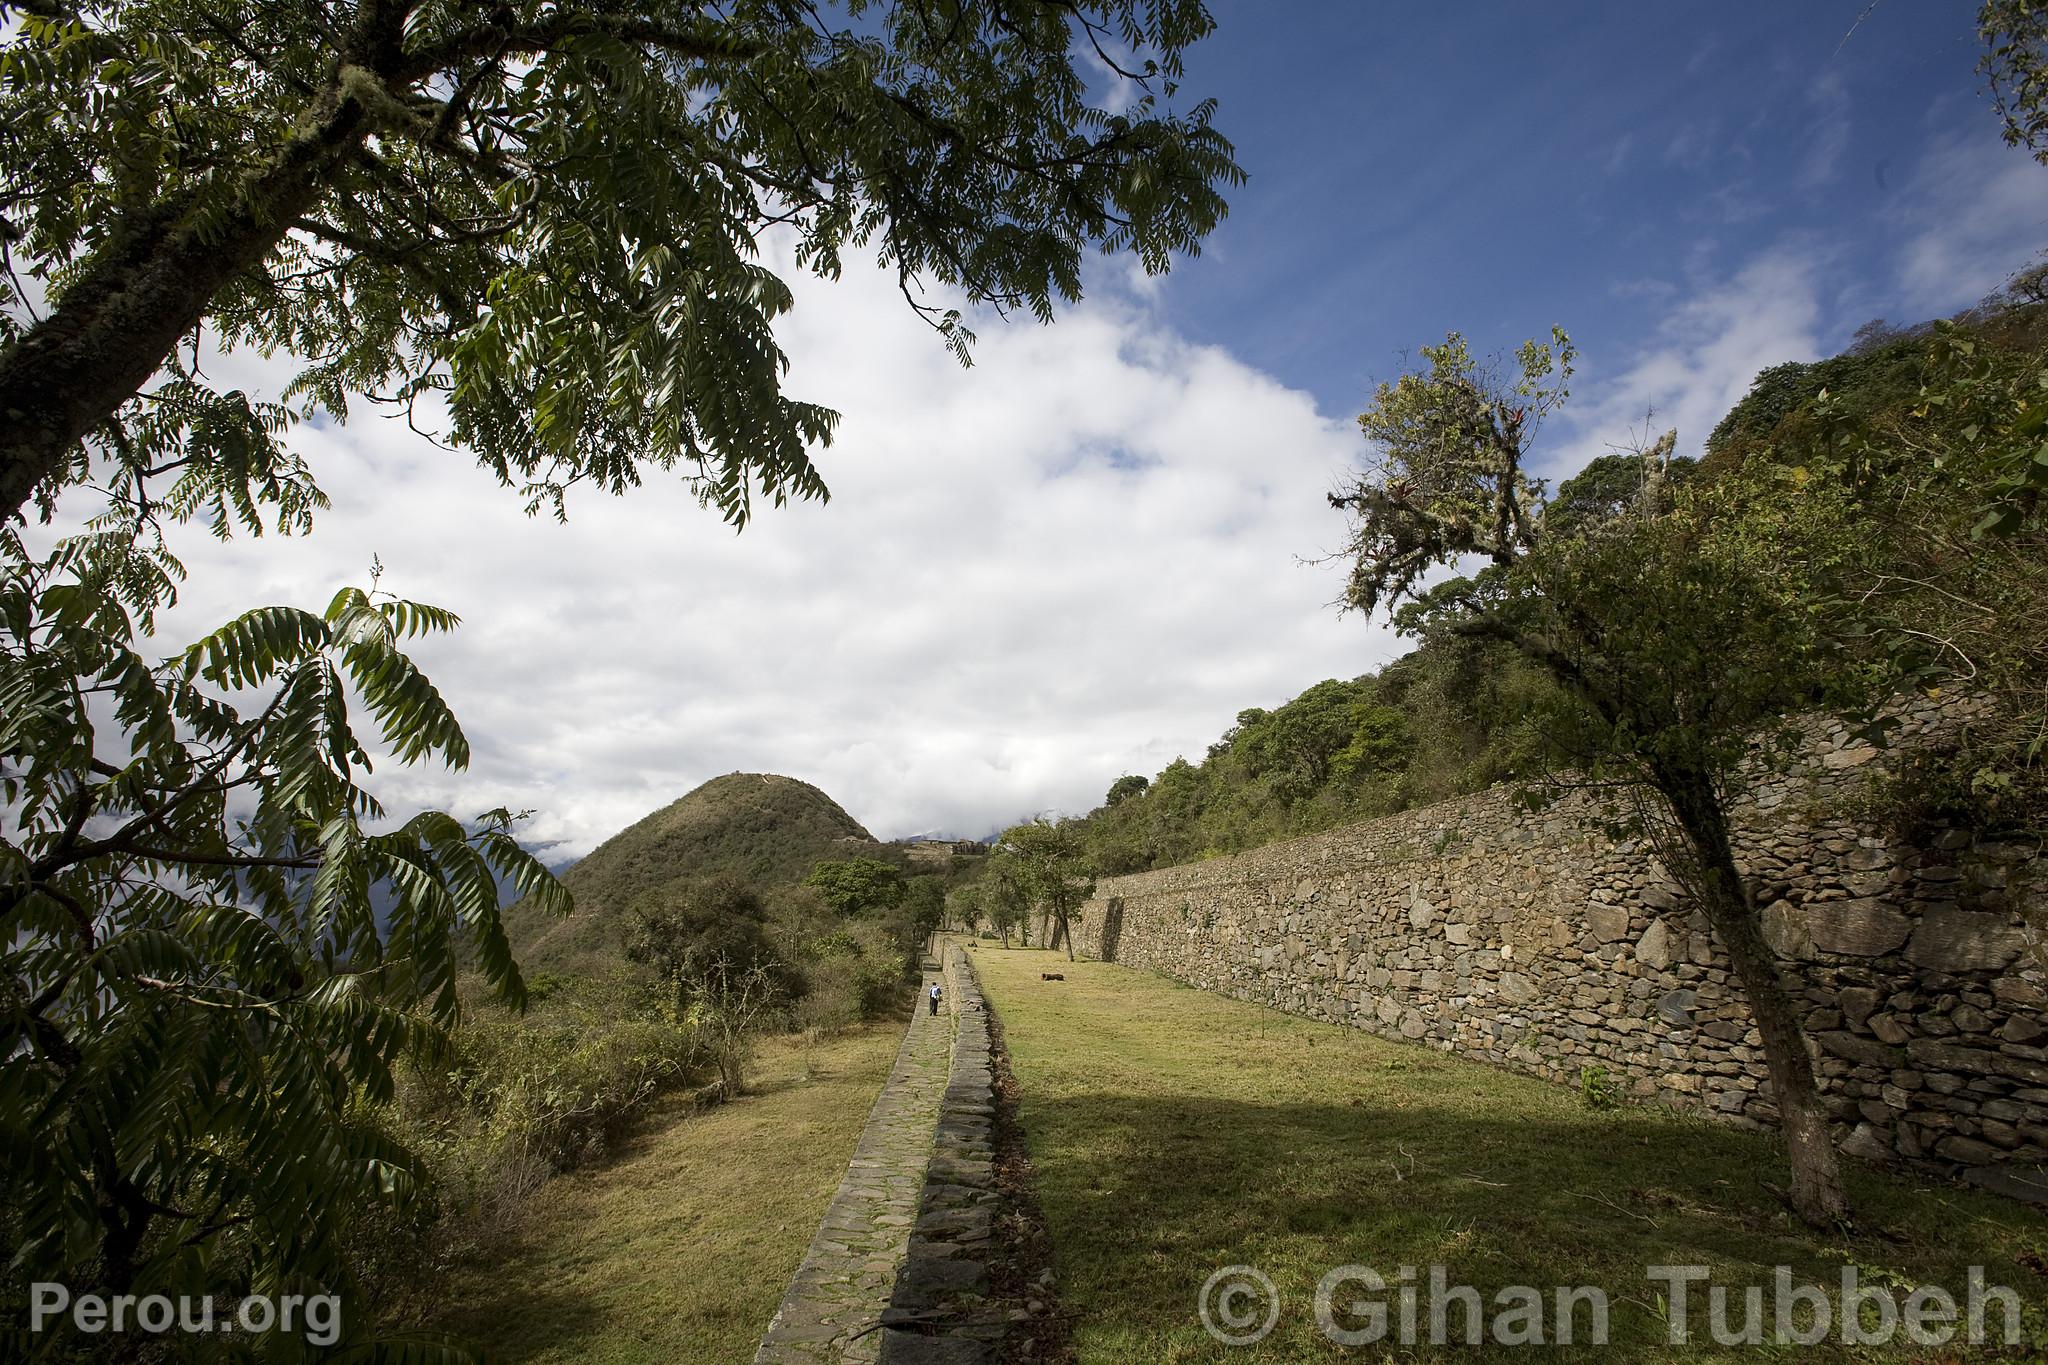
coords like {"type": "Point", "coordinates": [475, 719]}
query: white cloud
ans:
{"type": "Point", "coordinates": [1704, 356]}
{"type": "Point", "coordinates": [1974, 210]}
{"type": "Point", "coordinates": [1075, 559]}
{"type": "Point", "coordinates": [1618, 154]}
{"type": "Point", "coordinates": [1828, 142]}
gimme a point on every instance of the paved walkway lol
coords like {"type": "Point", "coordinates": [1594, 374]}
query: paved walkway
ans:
{"type": "Point", "coordinates": [832, 1311]}
{"type": "Point", "coordinates": [941, 1312]}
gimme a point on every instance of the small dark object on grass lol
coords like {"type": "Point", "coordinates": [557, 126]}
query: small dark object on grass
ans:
{"type": "Point", "coordinates": [1051, 976]}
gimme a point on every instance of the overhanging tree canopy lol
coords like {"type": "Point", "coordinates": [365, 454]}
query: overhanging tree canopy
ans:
{"type": "Point", "coordinates": [547, 215]}
{"type": "Point", "coordinates": [536, 227]}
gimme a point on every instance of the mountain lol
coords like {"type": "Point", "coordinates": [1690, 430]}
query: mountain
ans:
{"type": "Point", "coordinates": [767, 829]}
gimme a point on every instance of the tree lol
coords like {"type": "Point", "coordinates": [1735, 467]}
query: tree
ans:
{"type": "Point", "coordinates": [533, 228]}
{"type": "Point", "coordinates": [699, 932]}
{"type": "Point", "coordinates": [1052, 869]}
{"type": "Point", "coordinates": [1124, 788]}
{"type": "Point", "coordinates": [924, 903]}
{"type": "Point", "coordinates": [212, 957]}
{"type": "Point", "coordinates": [965, 905]}
{"type": "Point", "coordinates": [2015, 66]}
{"type": "Point", "coordinates": [858, 886]}
{"type": "Point", "coordinates": [1179, 798]}
{"type": "Point", "coordinates": [1291, 749]}
{"type": "Point", "coordinates": [1005, 895]}
{"type": "Point", "coordinates": [1116, 834]}
{"type": "Point", "coordinates": [1672, 642]}
{"type": "Point", "coordinates": [1953, 496]}
{"type": "Point", "coordinates": [728, 1009]}
{"type": "Point", "coordinates": [544, 216]}
{"type": "Point", "coordinates": [1379, 742]}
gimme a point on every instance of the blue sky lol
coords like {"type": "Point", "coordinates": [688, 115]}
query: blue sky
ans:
{"type": "Point", "coordinates": [1500, 168]}
{"type": "Point", "coordinates": [1084, 555]}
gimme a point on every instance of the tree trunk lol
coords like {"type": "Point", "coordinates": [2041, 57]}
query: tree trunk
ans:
{"type": "Point", "coordinates": [1067, 934]}
{"type": "Point", "coordinates": [1816, 1193]}
{"type": "Point", "coordinates": [124, 1221]}
{"type": "Point", "coordinates": [112, 330]}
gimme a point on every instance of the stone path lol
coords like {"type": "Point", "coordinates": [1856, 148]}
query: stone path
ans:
{"type": "Point", "coordinates": [941, 1312]}
{"type": "Point", "coordinates": [832, 1311]}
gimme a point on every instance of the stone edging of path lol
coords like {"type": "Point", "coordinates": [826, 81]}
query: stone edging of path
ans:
{"type": "Point", "coordinates": [939, 1312]}
{"type": "Point", "coordinates": [831, 1314]}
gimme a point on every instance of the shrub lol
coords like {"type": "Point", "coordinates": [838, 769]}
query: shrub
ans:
{"type": "Point", "coordinates": [834, 995]}
{"type": "Point", "coordinates": [1597, 1089]}
{"type": "Point", "coordinates": [529, 1096]}
{"type": "Point", "coordinates": [860, 957]}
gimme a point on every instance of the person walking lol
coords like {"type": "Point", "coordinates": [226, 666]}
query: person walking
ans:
{"type": "Point", "coordinates": [934, 997]}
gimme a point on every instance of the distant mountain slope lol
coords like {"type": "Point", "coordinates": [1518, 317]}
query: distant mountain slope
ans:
{"type": "Point", "coordinates": [765, 828]}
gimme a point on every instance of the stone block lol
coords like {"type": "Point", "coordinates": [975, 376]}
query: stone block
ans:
{"type": "Point", "coordinates": [1969, 1151]}
{"type": "Point", "coordinates": [2010, 990]}
{"type": "Point", "coordinates": [1859, 1049]}
{"type": "Point", "coordinates": [1653, 949]}
{"type": "Point", "coordinates": [1860, 928]}
{"type": "Point", "coordinates": [1857, 1004]}
{"type": "Point", "coordinates": [1970, 1019]}
{"type": "Point", "coordinates": [900, 1347]}
{"type": "Point", "coordinates": [1974, 1061]}
{"type": "Point", "coordinates": [1675, 1007]}
{"type": "Point", "coordinates": [2021, 1029]}
{"type": "Point", "coordinates": [1964, 941]}
{"type": "Point", "coordinates": [2029, 1183]}
{"type": "Point", "coordinates": [1609, 923]}
{"type": "Point", "coordinates": [1784, 928]}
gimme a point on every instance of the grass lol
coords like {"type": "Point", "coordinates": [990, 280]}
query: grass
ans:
{"type": "Point", "coordinates": [1176, 1132]}
{"type": "Point", "coordinates": [678, 1250]}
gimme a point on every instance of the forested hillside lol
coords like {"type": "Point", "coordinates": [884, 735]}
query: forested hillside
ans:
{"type": "Point", "coordinates": [765, 830]}
{"type": "Point", "coordinates": [1935, 430]}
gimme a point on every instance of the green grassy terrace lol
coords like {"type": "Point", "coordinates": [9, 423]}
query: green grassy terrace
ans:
{"type": "Point", "coordinates": [1177, 1132]}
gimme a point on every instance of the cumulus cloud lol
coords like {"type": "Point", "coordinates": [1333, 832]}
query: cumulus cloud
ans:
{"type": "Point", "coordinates": [1078, 558]}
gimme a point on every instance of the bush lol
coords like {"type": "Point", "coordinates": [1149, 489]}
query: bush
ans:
{"type": "Point", "coordinates": [834, 997]}
{"type": "Point", "coordinates": [860, 959]}
{"type": "Point", "coordinates": [529, 1096]}
{"type": "Point", "coordinates": [1597, 1089]}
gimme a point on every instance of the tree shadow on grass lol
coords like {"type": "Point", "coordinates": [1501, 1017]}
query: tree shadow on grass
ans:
{"type": "Point", "coordinates": [1148, 1195]}
{"type": "Point", "coordinates": [517, 1321]}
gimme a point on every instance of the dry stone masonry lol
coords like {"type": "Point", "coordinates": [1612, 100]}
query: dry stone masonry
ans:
{"type": "Point", "coordinates": [940, 1313]}
{"type": "Point", "coordinates": [1537, 943]}
{"type": "Point", "coordinates": [897, 1272]}
{"type": "Point", "coordinates": [831, 1313]}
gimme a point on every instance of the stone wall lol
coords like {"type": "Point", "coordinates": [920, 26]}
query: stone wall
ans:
{"type": "Point", "coordinates": [1538, 943]}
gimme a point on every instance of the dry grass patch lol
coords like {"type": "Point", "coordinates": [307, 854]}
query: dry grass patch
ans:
{"type": "Point", "coordinates": [679, 1248]}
